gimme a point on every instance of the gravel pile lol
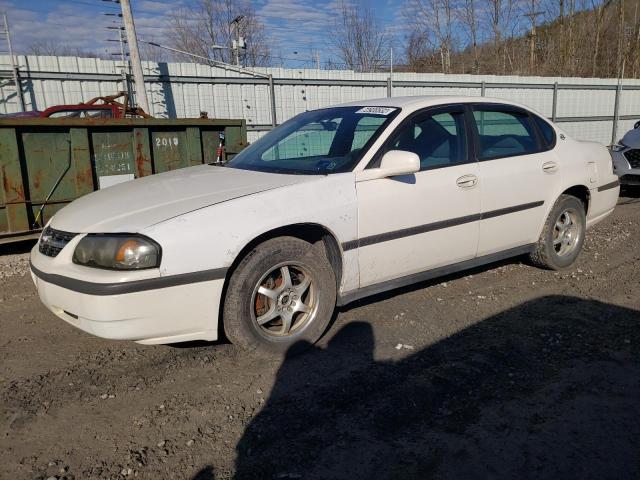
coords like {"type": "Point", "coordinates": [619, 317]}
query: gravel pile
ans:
{"type": "Point", "coordinates": [16, 264]}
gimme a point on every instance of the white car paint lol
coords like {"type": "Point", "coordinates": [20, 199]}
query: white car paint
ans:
{"type": "Point", "coordinates": [393, 204]}
{"type": "Point", "coordinates": [203, 217]}
{"type": "Point", "coordinates": [158, 197]}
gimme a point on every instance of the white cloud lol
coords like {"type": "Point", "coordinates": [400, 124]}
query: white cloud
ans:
{"type": "Point", "coordinates": [78, 27]}
{"type": "Point", "coordinates": [291, 25]}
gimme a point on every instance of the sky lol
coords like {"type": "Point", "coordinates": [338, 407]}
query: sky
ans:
{"type": "Point", "coordinates": [297, 29]}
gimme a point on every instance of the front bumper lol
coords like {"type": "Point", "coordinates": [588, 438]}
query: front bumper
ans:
{"type": "Point", "coordinates": [628, 174]}
{"type": "Point", "coordinates": [171, 313]}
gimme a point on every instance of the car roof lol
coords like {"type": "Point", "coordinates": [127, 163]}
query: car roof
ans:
{"type": "Point", "coordinates": [423, 101]}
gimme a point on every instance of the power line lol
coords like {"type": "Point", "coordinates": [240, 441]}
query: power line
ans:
{"type": "Point", "coordinates": [95, 5]}
{"type": "Point", "coordinates": [299, 44]}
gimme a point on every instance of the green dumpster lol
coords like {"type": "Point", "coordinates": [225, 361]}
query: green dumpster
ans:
{"type": "Point", "coordinates": [47, 163]}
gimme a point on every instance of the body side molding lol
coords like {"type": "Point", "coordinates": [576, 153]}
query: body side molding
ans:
{"type": "Point", "coordinates": [608, 186]}
{"type": "Point", "coordinates": [430, 227]}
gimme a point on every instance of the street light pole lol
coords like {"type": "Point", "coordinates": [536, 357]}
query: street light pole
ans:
{"type": "Point", "coordinates": [132, 40]}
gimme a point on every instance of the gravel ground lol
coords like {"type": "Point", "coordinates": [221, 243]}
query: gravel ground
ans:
{"type": "Point", "coordinates": [12, 264]}
{"type": "Point", "coordinates": [503, 372]}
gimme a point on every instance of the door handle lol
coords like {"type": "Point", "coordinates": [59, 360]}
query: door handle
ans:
{"type": "Point", "coordinates": [550, 167]}
{"type": "Point", "coordinates": [467, 181]}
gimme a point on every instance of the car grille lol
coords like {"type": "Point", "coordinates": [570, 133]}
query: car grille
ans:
{"type": "Point", "coordinates": [52, 241]}
{"type": "Point", "coordinates": [633, 156]}
{"type": "Point", "coordinates": [630, 179]}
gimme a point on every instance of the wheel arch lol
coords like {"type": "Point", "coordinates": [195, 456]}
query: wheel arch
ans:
{"type": "Point", "coordinates": [318, 235]}
{"type": "Point", "coordinates": [582, 193]}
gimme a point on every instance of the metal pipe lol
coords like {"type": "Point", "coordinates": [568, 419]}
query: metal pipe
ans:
{"type": "Point", "coordinates": [215, 63]}
{"type": "Point", "coordinates": [125, 66]}
{"type": "Point", "coordinates": [263, 79]}
{"type": "Point", "coordinates": [14, 67]}
{"type": "Point", "coordinates": [272, 95]}
{"type": "Point", "coordinates": [616, 114]}
{"type": "Point", "coordinates": [554, 107]}
{"type": "Point", "coordinates": [391, 73]}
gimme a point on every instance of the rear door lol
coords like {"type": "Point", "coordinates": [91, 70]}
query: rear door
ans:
{"type": "Point", "coordinates": [519, 176]}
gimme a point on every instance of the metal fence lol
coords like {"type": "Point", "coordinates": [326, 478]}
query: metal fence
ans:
{"type": "Point", "coordinates": [587, 108]}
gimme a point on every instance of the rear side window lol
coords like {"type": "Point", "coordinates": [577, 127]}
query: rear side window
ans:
{"type": "Point", "coordinates": [547, 131]}
{"type": "Point", "coordinates": [504, 134]}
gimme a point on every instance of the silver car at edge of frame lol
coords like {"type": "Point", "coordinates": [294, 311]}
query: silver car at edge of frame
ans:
{"type": "Point", "coordinates": [626, 157]}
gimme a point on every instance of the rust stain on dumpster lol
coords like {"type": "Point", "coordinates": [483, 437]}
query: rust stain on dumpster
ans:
{"type": "Point", "coordinates": [37, 179]}
{"type": "Point", "coordinates": [9, 186]}
{"type": "Point", "coordinates": [141, 159]}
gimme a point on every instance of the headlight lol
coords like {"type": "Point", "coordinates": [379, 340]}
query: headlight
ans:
{"type": "Point", "coordinates": [618, 147]}
{"type": "Point", "coordinates": [117, 252]}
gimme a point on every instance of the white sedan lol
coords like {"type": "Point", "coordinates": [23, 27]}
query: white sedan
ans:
{"type": "Point", "coordinates": [334, 205]}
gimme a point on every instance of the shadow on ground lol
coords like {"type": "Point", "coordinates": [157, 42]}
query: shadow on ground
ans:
{"type": "Point", "coordinates": [629, 194]}
{"type": "Point", "coordinates": [17, 247]}
{"type": "Point", "coordinates": [550, 389]}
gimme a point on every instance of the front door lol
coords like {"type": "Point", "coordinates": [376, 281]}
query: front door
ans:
{"type": "Point", "coordinates": [413, 223]}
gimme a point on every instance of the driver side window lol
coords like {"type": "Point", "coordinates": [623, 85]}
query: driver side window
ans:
{"type": "Point", "coordinates": [438, 139]}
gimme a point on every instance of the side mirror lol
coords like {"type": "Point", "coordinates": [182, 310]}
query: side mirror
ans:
{"type": "Point", "coordinates": [394, 163]}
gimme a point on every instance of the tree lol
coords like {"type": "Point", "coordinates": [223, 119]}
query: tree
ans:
{"type": "Point", "coordinates": [433, 21]}
{"type": "Point", "coordinates": [420, 55]}
{"type": "Point", "coordinates": [49, 47]}
{"type": "Point", "coordinates": [360, 43]}
{"type": "Point", "coordinates": [198, 29]}
{"type": "Point", "coordinates": [469, 18]}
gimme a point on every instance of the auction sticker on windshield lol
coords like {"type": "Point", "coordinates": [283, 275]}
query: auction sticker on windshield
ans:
{"type": "Point", "coordinates": [377, 110]}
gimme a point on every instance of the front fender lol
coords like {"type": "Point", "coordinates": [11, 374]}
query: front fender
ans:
{"type": "Point", "coordinates": [214, 236]}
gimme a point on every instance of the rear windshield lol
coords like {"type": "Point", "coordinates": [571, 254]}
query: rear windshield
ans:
{"type": "Point", "coordinates": [330, 140]}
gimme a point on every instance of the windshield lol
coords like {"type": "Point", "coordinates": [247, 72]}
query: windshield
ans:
{"type": "Point", "coordinates": [325, 141]}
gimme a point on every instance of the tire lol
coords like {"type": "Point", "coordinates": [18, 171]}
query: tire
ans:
{"type": "Point", "coordinates": [558, 247]}
{"type": "Point", "coordinates": [260, 291]}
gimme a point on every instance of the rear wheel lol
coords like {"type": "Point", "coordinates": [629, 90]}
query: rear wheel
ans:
{"type": "Point", "coordinates": [282, 292]}
{"type": "Point", "coordinates": [562, 235]}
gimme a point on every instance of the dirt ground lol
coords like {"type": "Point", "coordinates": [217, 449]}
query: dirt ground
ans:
{"type": "Point", "coordinates": [504, 372]}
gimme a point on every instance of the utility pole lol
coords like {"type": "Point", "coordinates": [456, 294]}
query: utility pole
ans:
{"type": "Point", "coordinates": [134, 53]}
{"type": "Point", "coordinates": [238, 42]}
{"type": "Point", "coordinates": [532, 35]}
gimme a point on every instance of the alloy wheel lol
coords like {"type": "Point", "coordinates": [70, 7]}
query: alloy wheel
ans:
{"type": "Point", "coordinates": [285, 300]}
{"type": "Point", "coordinates": [566, 232]}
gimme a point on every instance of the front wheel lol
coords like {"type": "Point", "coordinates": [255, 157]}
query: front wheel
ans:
{"type": "Point", "coordinates": [562, 235]}
{"type": "Point", "coordinates": [282, 292]}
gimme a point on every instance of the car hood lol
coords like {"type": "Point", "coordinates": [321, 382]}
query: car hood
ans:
{"type": "Point", "coordinates": [632, 138]}
{"type": "Point", "coordinates": [134, 205]}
